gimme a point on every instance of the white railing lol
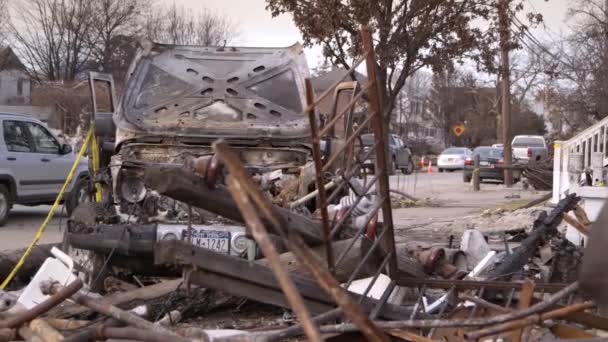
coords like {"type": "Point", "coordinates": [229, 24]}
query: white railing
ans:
{"type": "Point", "coordinates": [588, 144]}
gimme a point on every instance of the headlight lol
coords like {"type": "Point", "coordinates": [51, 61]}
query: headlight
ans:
{"type": "Point", "coordinates": [132, 187]}
{"type": "Point", "coordinates": [240, 243]}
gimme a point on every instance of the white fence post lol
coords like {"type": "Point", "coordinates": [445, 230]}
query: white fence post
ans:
{"type": "Point", "coordinates": [557, 171]}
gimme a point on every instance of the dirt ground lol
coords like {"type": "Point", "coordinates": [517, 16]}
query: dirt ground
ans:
{"type": "Point", "coordinates": [455, 199]}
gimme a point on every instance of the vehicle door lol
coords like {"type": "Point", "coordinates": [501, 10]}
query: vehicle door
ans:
{"type": "Point", "coordinates": [53, 164]}
{"type": "Point", "coordinates": [342, 121]}
{"type": "Point", "coordinates": [21, 159]}
{"type": "Point", "coordinates": [401, 153]}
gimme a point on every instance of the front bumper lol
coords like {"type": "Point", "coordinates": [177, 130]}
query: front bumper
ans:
{"type": "Point", "coordinates": [140, 239]}
{"type": "Point", "coordinates": [450, 166]}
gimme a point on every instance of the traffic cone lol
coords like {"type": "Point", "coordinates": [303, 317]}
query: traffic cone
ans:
{"type": "Point", "coordinates": [422, 163]}
{"type": "Point", "coordinates": [430, 168]}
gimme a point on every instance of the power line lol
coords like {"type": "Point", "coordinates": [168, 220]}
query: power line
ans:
{"type": "Point", "coordinates": [526, 32]}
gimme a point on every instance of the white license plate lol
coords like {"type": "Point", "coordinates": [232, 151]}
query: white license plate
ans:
{"type": "Point", "coordinates": [450, 160]}
{"type": "Point", "coordinates": [216, 240]}
{"type": "Point", "coordinates": [484, 163]}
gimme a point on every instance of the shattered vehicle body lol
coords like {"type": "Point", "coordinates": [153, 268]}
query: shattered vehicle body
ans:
{"type": "Point", "coordinates": [178, 100]}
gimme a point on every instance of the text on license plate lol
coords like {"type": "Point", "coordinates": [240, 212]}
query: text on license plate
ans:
{"type": "Point", "coordinates": [215, 240]}
{"type": "Point", "coordinates": [484, 163]}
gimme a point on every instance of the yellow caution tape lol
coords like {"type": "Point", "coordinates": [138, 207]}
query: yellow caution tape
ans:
{"type": "Point", "coordinates": [51, 213]}
{"type": "Point", "coordinates": [95, 163]}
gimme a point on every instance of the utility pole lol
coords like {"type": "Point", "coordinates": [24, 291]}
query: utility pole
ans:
{"type": "Point", "coordinates": [504, 25]}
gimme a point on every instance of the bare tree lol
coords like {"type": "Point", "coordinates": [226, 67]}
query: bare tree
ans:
{"type": "Point", "coordinates": [52, 36]}
{"type": "Point", "coordinates": [111, 40]}
{"type": "Point", "coordinates": [176, 25]}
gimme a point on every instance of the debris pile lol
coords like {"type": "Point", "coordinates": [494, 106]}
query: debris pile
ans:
{"type": "Point", "coordinates": [540, 174]}
{"type": "Point", "coordinates": [327, 258]}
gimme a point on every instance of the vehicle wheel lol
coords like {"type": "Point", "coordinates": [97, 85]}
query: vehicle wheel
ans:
{"type": "Point", "coordinates": [440, 170]}
{"type": "Point", "coordinates": [91, 269]}
{"type": "Point", "coordinates": [5, 204]}
{"type": "Point", "coordinates": [79, 194]}
{"type": "Point", "coordinates": [410, 167]}
{"type": "Point", "coordinates": [466, 178]}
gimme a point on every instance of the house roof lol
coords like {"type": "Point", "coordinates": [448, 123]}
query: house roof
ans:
{"type": "Point", "coordinates": [9, 60]}
{"type": "Point", "coordinates": [326, 80]}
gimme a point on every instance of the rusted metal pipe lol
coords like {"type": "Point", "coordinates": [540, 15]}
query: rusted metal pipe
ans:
{"type": "Point", "coordinates": [299, 247]}
{"type": "Point", "coordinates": [332, 287]}
{"type": "Point", "coordinates": [54, 300]}
{"type": "Point", "coordinates": [109, 310]}
{"type": "Point", "coordinates": [316, 152]}
{"type": "Point", "coordinates": [260, 235]}
{"type": "Point", "coordinates": [534, 319]}
{"type": "Point", "coordinates": [454, 323]}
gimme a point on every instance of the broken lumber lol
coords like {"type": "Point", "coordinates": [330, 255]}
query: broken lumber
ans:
{"type": "Point", "coordinates": [187, 187]}
{"type": "Point", "coordinates": [242, 278]}
{"type": "Point", "coordinates": [147, 293]}
{"type": "Point", "coordinates": [110, 310]}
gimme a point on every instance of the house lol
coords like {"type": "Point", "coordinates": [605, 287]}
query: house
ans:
{"type": "Point", "coordinates": [15, 84]}
{"type": "Point", "coordinates": [413, 118]}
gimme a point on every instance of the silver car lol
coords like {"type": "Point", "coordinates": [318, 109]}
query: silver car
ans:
{"type": "Point", "coordinates": [33, 164]}
{"type": "Point", "coordinates": [453, 158]}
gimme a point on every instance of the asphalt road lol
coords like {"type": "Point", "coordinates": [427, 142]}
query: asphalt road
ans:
{"type": "Point", "coordinates": [447, 189]}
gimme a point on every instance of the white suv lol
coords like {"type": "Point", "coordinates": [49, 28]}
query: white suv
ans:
{"type": "Point", "coordinates": [34, 165]}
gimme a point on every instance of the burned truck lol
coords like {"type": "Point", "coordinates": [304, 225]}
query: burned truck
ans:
{"type": "Point", "coordinates": [177, 101]}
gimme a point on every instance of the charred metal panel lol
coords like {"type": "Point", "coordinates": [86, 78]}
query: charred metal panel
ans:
{"type": "Point", "coordinates": [210, 92]}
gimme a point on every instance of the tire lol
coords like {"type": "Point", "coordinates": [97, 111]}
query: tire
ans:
{"type": "Point", "coordinates": [79, 194]}
{"type": "Point", "coordinates": [410, 167]}
{"type": "Point", "coordinates": [92, 271]}
{"type": "Point", "coordinates": [440, 170]}
{"type": "Point", "coordinates": [466, 178]}
{"type": "Point", "coordinates": [5, 204]}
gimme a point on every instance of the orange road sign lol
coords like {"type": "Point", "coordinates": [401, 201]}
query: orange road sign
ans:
{"type": "Point", "coordinates": [458, 129]}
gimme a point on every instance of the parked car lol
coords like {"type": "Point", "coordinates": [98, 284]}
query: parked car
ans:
{"type": "Point", "coordinates": [490, 158]}
{"type": "Point", "coordinates": [529, 147]}
{"type": "Point", "coordinates": [400, 154]}
{"type": "Point", "coordinates": [453, 158]}
{"type": "Point", "coordinates": [34, 165]}
{"type": "Point", "coordinates": [498, 145]}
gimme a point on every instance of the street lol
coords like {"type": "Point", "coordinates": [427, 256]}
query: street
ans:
{"type": "Point", "coordinates": [446, 191]}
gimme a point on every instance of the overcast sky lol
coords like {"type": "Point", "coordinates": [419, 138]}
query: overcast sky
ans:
{"type": "Point", "coordinates": [260, 29]}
